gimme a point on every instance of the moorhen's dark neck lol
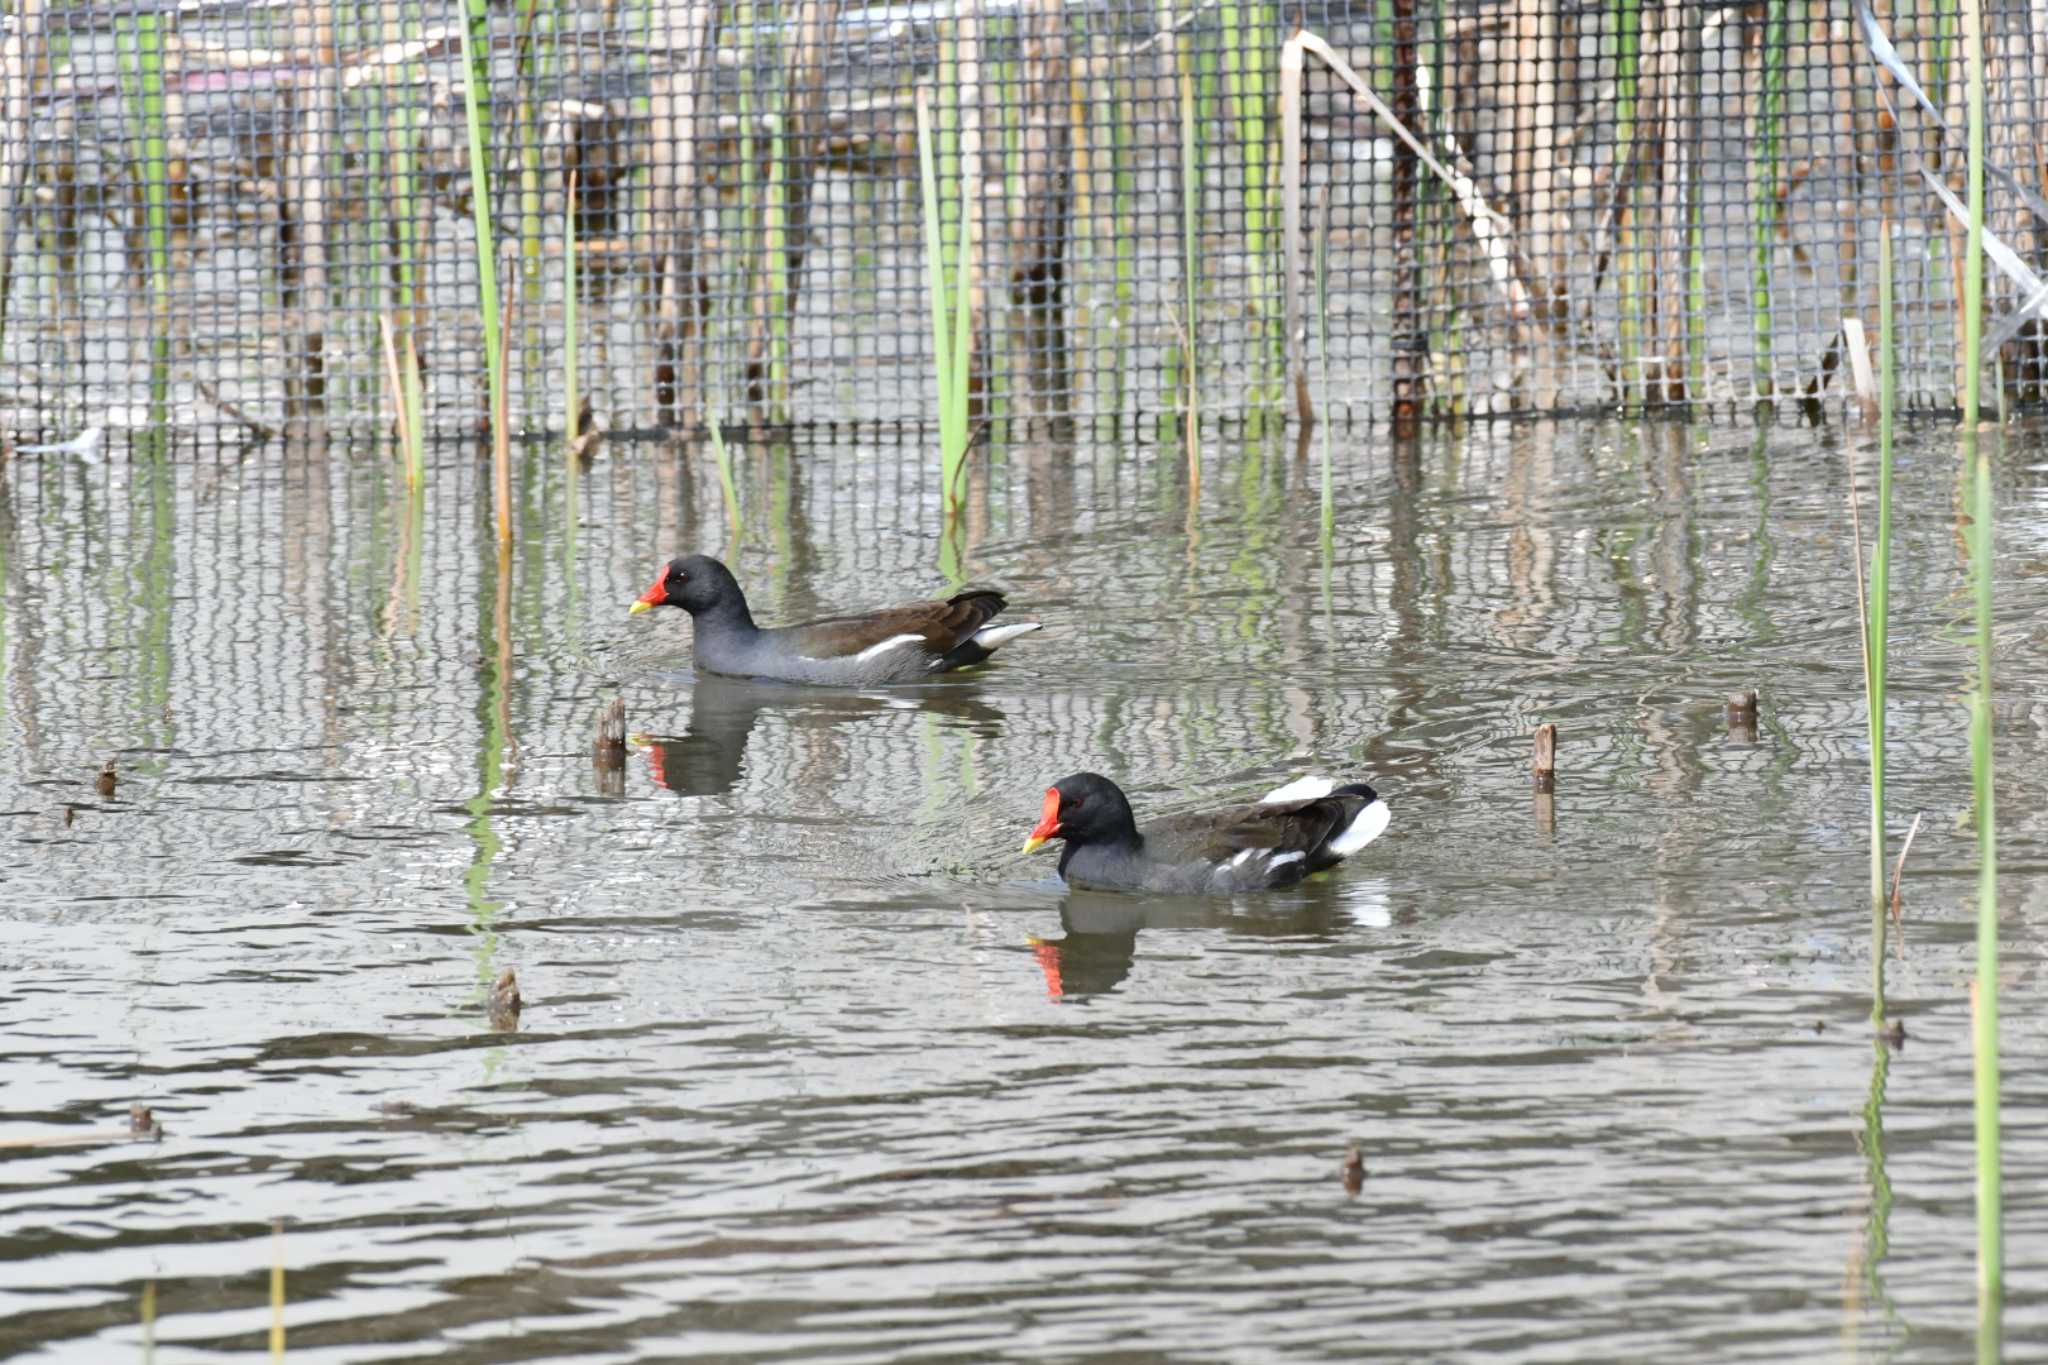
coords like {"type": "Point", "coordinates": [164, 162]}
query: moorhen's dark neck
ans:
{"type": "Point", "coordinates": [1121, 842]}
{"type": "Point", "coordinates": [727, 614]}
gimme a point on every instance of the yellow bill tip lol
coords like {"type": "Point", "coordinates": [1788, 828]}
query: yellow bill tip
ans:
{"type": "Point", "coordinates": [1033, 844]}
{"type": "Point", "coordinates": [636, 609]}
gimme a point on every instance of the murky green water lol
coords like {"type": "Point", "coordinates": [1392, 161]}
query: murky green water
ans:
{"type": "Point", "coordinates": [814, 1066]}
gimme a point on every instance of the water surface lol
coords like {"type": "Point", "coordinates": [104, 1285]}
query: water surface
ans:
{"type": "Point", "coordinates": [814, 1065]}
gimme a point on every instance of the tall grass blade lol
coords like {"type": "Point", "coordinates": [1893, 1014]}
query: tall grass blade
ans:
{"type": "Point", "coordinates": [775, 250]}
{"type": "Point", "coordinates": [1990, 1200]}
{"type": "Point", "coordinates": [1626, 17]}
{"type": "Point", "coordinates": [406, 219]}
{"type": "Point", "coordinates": [526, 118]}
{"type": "Point", "coordinates": [1244, 86]}
{"type": "Point", "coordinates": [1880, 599]}
{"type": "Point", "coordinates": [402, 417]}
{"type": "Point", "coordinates": [934, 258]}
{"type": "Point", "coordinates": [1123, 230]}
{"type": "Point", "coordinates": [952, 349]}
{"type": "Point", "coordinates": [146, 93]}
{"type": "Point", "coordinates": [963, 356]}
{"type": "Point", "coordinates": [1977, 465]}
{"type": "Point", "coordinates": [727, 487]}
{"type": "Point", "coordinates": [1973, 249]}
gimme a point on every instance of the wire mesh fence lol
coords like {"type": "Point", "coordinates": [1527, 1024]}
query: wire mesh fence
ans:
{"type": "Point", "coordinates": [235, 213]}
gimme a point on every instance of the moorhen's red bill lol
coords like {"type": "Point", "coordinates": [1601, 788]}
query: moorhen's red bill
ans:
{"type": "Point", "coordinates": [893, 645]}
{"type": "Point", "coordinates": [1302, 828]}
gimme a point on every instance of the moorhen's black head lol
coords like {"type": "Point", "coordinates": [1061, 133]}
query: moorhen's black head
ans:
{"type": "Point", "coordinates": [695, 583]}
{"type": "Point", "coordinates": [1083, 809]}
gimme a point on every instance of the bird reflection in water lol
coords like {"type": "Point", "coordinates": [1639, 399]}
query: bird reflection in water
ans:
{"type": "Point", "coordinates": [710, 756]}
{"type": "Point", "coordinates": [1099, 947]}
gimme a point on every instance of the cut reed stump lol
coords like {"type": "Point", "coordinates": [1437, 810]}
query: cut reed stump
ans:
{"type": "Point", "coordinates": [1742, 714]}
{"type": "Point", "coordinates": [609, 748]}
{"type": "Point", "coordinates": [505, 1003]}
{"type": "Point", "coordinates": [1543, 763]}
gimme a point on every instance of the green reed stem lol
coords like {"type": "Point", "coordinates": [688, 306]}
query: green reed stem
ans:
{"type": "Point", "coordinates": [1627, 22]}
{"type": "Point", "coordinates": [1977, 463]}
{"type": "Point", "coordinates": [1695, 274]}
{"type": "Point", "coordinates": [1190, 272]}
{"type": "Point", "coordinates": [1770, 115]}
{"type": "Point", "coordinates": [1246, 87]}
{"type": "Point", "coordinates": [1879, 619]}
{"type": "Point", "coordinates": [774, 234]}
{"type": "Point", "coordinates": [727, 487]}
{"type": "Point", "coordinates": [1990, 1212]}
{"type": "Point", "coordinates": [528, 118]}
{"type": "Point", "coordinates": [1877, 1227]}
{"type": "Point", "coordinates": [746, 39]}
{"type": "Point", "coordinates": [1081, 243]}
{"type": "Point", "coordinates": [1322, 274]}
{"type": "Point", "coordinates": [1940, 48]}
{"type": "Point", "coordinates": [1123, 228]}
{"type": "Point", "coordinates": [477, 118]}
{"type": "Point", "coordinates": [1973, 247]}
{"type": "Point", "coordinates": [1450, 394]}
{"type": "Point", "coordinates": [405, 204]}
{"type": "Point", "coordinates": [951, 348]}
{"type": "Point", "coordinates": [146, 92]}
{"type": "Point", "coordinates": [571, 362]}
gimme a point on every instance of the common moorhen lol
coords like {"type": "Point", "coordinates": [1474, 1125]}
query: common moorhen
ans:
{"type": "Point", "coordinates": [1303, 827]}
{"type": "Point", "coordinates": [893, 645]}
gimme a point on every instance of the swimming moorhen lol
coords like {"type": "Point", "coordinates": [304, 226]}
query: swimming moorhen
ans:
{"type": "Point", "coordinates": [1303, 827]}
{"type": "Point", "coordinates": [893, 645]}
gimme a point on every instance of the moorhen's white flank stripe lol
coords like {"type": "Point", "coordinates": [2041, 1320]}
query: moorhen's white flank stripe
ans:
{"type": "Point", "coordinates": [893, 642]}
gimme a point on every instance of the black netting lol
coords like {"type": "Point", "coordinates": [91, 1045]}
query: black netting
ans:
{"type": "Point", "coordinates": [233, 214]}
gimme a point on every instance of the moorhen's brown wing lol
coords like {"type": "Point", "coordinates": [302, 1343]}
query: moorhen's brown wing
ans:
{"type": "Point", "coordinates": [1250, 848]}
{"type": "Point", "coordinates": [940, 625]}
{"type": "Point", "coordinates": [1218, 836]}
